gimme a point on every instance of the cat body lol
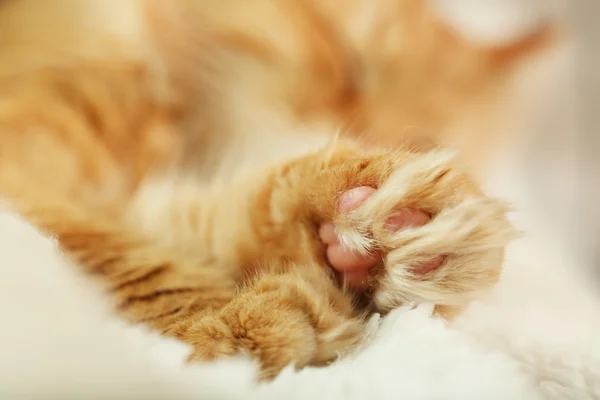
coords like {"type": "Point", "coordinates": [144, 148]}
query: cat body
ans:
{"type": "Point", "coordinates": [186, 159]}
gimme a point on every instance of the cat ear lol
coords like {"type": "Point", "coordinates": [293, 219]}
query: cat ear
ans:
{"type": "Point", "coordinates": [540, 38]}
{"type": "Point", "coordinates": [506, 29]}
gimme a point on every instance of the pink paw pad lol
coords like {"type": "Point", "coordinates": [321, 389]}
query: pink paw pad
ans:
{"type": "Point", "coordinates": [355, 267]}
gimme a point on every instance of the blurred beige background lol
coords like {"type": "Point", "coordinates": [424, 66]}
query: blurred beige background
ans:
{"type": "Point", "coordinates": [556, 163]}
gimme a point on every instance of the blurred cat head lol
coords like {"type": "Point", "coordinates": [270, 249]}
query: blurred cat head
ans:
{"type": "Point", "coordinates": [386, 71]}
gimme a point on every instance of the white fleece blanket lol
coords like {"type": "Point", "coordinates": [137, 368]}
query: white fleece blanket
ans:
{"type": "Point", "coordinates": [537, 336]}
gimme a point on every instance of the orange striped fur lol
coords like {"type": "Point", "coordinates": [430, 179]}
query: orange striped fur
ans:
{"type": "Point", "coordinates": [184, 153]}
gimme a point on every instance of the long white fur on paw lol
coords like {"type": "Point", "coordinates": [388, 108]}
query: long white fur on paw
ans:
{"type": "Point", "coordinates": [470, 232]}
{"type": "Point", "coordinates": [354, 230]}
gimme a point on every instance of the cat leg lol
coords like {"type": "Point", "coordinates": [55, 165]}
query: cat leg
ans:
{"type": "Point", "coordinates": [272, 216]}
{"type": "Point", "coordinates": [468, 231]}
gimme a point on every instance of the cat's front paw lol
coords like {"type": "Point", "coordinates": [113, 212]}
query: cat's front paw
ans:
{"type": "Point", "coordinates": [437, 237]}
{"type": "Point", "coordinates": [353, 268]}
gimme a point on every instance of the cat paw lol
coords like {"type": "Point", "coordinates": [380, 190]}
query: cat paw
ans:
{"type": "Point", "coordinates": [281, 320]}
{"type": "Point", "coordinates": [435, 237]}
{"type": "Point", "coordinates": [353, 267]}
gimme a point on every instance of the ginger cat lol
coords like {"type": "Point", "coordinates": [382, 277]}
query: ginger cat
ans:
{"type": "Point", "coordinates": [185, 154]}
